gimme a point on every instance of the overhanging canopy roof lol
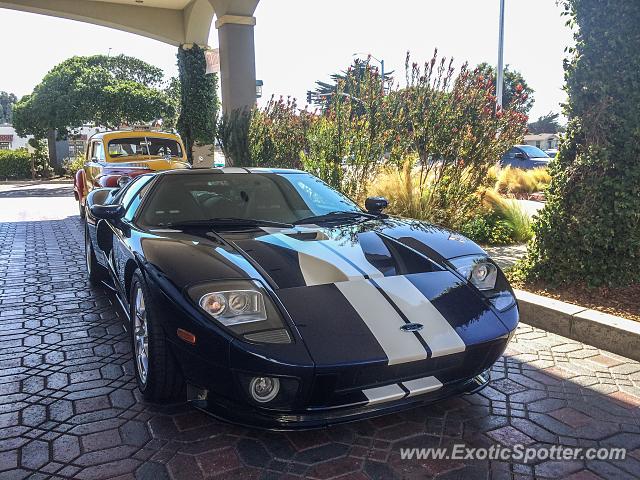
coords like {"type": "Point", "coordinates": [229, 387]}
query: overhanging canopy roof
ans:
{"type": "Point", "coordinates": [170, 21]}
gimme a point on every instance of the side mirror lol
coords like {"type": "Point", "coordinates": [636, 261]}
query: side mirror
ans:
{"type": "Point", "coordinates": [123, 180]}
{"type": "Point", "coordinates": [521, 156]}
{"type": "Point", "coordinates": [376, 204]}
{"type": "Point", "coordinates": [107, 212]}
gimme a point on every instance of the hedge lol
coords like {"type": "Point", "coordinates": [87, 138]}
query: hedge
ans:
{"type": "Point", "coordinates": [15, 163]}
{"type": "Point", "coordinates": [589, 230]}
{"type": "Point", "coordinates": [198, 99]}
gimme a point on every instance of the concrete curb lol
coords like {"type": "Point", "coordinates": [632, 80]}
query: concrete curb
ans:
{"type": "Point", "coordinates": [608, 332]}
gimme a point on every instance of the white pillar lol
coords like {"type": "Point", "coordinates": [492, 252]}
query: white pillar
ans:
{"type": "Point", "coordinates": [237, 61]}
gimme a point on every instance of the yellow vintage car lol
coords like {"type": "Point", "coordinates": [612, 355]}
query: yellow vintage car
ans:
{"type": "Point", "coordinates": [110, 156]}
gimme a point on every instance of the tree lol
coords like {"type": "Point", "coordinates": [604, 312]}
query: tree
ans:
{"type": "Point", "coordinates": [514, 86]}
{"type": "Point", "coordinates": [173, 90]}
{"type": "Point", "coordinates": [7, 100]}
{"type": "Point", "coordinates": [546, 124]}
{"type": "Point", "coordinates": [103, 90]}
{"type": "Point", "coordinates": [198, 99]}
{"type": "Point", "coordinates": [589, 229]}
{"type": "Point", "coordinates": [352, 82]}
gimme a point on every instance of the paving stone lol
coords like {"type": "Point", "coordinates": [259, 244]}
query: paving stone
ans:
{"type": "Point", "coordinates": [152, 471]}
{"type": "Point", "coordinates": [253, 453]}
{"type": "Point", "coordinates": [218, 461]}
{"type": "Point", "coordinates": [70, 408]}
{"type": "Point", "coordinates": [571, 417]}
{"type": "Point", "coordinates": [510, 436]}
{"type": "Point", "coordinates": [583, 475]}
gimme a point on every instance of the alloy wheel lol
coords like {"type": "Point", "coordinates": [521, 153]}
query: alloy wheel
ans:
{"type": "Point", "coordinates": [141, 337]}
{"type": "Point", "coordinates": [87, 251]}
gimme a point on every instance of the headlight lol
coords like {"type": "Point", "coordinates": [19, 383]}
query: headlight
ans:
{"type": "Point", "coordinates": [478, 270]}
{"type": "Point", "coordinates": [486, 277]}
{"type": "Point", "coordinates": [233, 307]}
{"type": "Point", "coordinates": [243, 307]}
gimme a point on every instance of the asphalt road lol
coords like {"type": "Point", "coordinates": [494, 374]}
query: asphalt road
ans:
{"type": "Point", "coordinates": [34, 201]}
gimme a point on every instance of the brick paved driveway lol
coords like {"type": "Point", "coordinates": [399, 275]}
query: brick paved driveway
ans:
{"type": "Point", "coordinates": [69, 406]}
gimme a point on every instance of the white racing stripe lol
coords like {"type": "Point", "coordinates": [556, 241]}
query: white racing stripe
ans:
{"type": "Point", "coordinates": [319, 272]}
{"type": "Point", "coordinates": [353, 253]}
{"type": "Point", "coordinates": [438, 334]}
{"type": "Point", "coordinates": [383, 394]}
{"type": "Point", "coordinates": [321, 264]}
{"type": "Point", "coordinates": [383, 321]}
{"type": "Point", "coordinates": [388, 393]}
{"type": "Point", "coordinates": [422, 385]}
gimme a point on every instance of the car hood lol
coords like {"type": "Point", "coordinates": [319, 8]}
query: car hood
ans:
{"type": "Point", "coordinates": [357, 292]}
{"type": "Point", "coordinates": [309, 255]}
{"type": "Point", "coordinates": [350, 290]}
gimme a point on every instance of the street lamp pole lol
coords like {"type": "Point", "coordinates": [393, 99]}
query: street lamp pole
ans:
{"type": "Point", "coordinates": [500, 69]}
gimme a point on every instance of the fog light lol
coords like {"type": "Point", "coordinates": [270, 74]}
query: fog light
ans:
{"type": "Point", "coordinates": [264, 389]}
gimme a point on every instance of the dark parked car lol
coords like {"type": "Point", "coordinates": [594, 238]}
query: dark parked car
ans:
{"type": "Point", "coordinates": [269, 299]}
{"type": "Point", "coordinates": [525, 157]}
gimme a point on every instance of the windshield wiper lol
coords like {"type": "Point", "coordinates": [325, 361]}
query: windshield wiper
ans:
{"type": "Point", "coordinates": [228, 221]}
{"type": "Point", "coordinates": [332, 216]}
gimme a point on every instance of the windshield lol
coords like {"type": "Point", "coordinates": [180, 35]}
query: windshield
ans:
{"type": "Point", "coordinates": [271, 197]}
{"type": "Point", "coordinates": [533, 152]}
{"type": "Point", "coordinates": [144, 146]}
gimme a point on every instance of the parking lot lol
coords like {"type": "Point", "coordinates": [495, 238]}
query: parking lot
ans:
{"type": "Point", "coordinates": [69, 407]}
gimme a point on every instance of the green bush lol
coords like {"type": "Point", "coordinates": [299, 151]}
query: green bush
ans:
{"type": "Point", "coordinates": [72, 165]}
{"type": "Point", "coordinates": [488, 229]}
{"type": "Point", "coordinates": [323, 154]}
{"type": "Point", "coordinates": [15, 163]}
{"type": "Point", "coordinates": [278, 134]}
{"type": "Point", "coordinates": [428, 146]}
{"type": "Point", "coordinates": [589, 230]}
{"type": "Point", "coordinates": [233, 136]}
{"type": "Point", "coordinates": [511, 212]}
{"type": "Point", "coordinates": [500, 221]}
{"type": "Point", "coordinates": [40, 156]}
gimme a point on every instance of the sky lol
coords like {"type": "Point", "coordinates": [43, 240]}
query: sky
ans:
{"type": "Point", "coordinates": [299, 42]}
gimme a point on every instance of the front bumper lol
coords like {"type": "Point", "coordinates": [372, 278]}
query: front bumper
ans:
{"type": "Point", "coordinates": [232, 412]}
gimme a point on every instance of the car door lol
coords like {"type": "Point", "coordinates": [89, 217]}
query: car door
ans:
{"type": "Point", "coordinates": [121, 230]}
{"type": "Point", "coordinates": [95, 164]}
{"type": "Point", "coordinates": [509, 158]}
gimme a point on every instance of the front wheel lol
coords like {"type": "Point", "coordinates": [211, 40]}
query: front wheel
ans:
{"type": "Point", "coordinates": [159, 377]}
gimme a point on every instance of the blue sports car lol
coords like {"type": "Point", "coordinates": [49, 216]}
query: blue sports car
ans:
{"type": "Point", "coordinates": [269, 299]}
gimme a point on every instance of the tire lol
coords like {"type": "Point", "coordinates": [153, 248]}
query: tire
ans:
{"type": "Point", "coordinates": [159, 377]}
{"type": "Point", "coordinates": [97, 273]}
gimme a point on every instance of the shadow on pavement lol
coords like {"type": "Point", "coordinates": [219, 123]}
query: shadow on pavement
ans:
{"type": "Point", "coordinates": [31, 191]}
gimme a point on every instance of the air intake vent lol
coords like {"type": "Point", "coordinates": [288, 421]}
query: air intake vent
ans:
{"type": "Point", "coordinates": [269, 336]}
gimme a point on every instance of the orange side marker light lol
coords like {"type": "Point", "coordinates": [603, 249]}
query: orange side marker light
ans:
{"type": "Point", "coordinates": [186, 336]}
